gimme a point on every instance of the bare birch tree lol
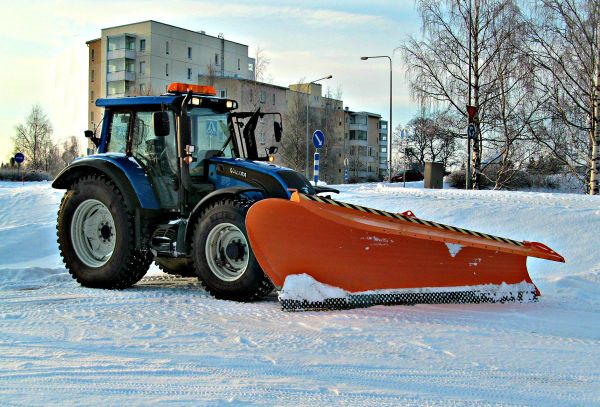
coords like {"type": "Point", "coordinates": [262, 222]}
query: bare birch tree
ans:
{"type": "Point", "coordinates": [34, 139]}
{"type": "Point", "coordinates": [564, 43]}
{"type": "Point", "coordinates": [293, 143]}
{"type": "Point", "coordinates": [438, 65]}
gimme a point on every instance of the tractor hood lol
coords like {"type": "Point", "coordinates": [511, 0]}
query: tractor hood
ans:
{"type": "Point", "coordinates": [274, 179]}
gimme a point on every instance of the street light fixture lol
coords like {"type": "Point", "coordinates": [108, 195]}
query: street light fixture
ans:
{"type": "Point", "coordinates": [307, 137]}
{"type": "Point", "coordinates": [390, 128]}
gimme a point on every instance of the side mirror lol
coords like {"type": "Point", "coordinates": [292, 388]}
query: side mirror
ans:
{"type": "Point", "coordinates": [160, 120]}
{"type": "Point", "coordinates": [90, 134]}
{"type": "Point", "coordinates": [278, 129]}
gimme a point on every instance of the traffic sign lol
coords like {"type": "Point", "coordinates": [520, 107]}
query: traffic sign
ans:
{"type": "Point", "coordinates": [471, 112]}
{"type": "Point", "coordinates": [318, 139]}
{"type": "Point", "coordinates": [346, 162]}
{"type": "Point", "coordinates": [19, 158]}
{"type": "Point", "coordinates": [471, 131]}
{"type": "Point", "coordinates": [403, 135]}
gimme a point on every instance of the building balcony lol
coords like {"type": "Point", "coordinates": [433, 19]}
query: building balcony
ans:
{"type": "Point", "coordinates": [362, 143]}
{"type": "Point", "coordinates": [121, 53]}
{"type": "Point", "coordinates": [356, 126]}
{"type": "Point", "coordinates": [120, 76]}
{"type": "Point", "coordinates": [383, 143]}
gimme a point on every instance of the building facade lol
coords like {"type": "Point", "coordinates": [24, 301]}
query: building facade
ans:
{"type": "Point", "coordinates": [144, 58]}
{"type": "Point", "coordinates": [364, 146]}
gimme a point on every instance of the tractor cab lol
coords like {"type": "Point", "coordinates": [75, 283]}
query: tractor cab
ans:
{"type": "Point", "coordinates": [182, 139]}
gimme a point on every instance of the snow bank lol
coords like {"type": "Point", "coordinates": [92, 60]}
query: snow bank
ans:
{"type": "Point", "coordinates": [165, 340]}
{"type": "Point", "coordinates": [303, 287]}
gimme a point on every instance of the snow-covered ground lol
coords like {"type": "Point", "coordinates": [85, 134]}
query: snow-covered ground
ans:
{"type": "Point", "coordinates": [165, 340]}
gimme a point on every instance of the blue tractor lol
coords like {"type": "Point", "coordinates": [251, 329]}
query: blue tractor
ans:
{"type": "Point", "coordinates": [171, 182]}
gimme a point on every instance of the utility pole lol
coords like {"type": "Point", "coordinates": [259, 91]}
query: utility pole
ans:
{"type": "Point", "coordinates": [390, 128]}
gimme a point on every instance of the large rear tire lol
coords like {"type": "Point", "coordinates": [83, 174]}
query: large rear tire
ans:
{"type": "Point", "coordinates": [222, 255]}
{"type": "Point", "coordinates": [96, 236]}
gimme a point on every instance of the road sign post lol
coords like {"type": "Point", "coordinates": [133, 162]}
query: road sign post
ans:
{"type": "Point", "coordinates": [19, 158]}
{"type": "Point", "coordinates": [318, 141]}
{"type": "Point", "coordinates": [316, 168]}
{"type": "Point", "coordinates": [346, 176]}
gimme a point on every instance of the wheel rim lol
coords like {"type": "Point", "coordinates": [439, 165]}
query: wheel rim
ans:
{"type": "Point", "coordinates": [227, 252]}
{"type": "Point", "coordinates": [93, 233]}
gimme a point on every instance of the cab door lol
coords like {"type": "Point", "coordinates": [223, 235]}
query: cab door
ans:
{"type": "Point", "coordinates": [157, 155]}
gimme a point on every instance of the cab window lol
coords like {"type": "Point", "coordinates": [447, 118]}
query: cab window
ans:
{"type": "Point", "coordinates": [119, 132]}
{"type": "Point", "coordinates": [210, 131]}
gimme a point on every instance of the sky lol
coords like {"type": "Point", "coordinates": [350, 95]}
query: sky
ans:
{"type": "Point", "coordinates": [44, 54]}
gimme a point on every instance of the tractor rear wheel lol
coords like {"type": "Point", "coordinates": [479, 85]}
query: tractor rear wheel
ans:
{"type": "Point", "coordinates": [222, 255]}
{"type": "Point", "coordinates": [96, 235]}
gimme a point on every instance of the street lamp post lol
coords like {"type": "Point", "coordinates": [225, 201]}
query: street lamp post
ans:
{"type": "Point", "coordinates": [307, 133]}
{"type": "Point", "coordinates": [390, 128]}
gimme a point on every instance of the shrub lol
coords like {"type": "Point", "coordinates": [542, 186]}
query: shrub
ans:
{"type": "Point", "coordinates": [10, 174]}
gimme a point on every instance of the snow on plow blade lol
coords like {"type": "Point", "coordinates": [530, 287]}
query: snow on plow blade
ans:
{"type": "Point", "coordinates": [371, 257]}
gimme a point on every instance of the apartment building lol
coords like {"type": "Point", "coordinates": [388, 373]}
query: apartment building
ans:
{"type": "Point", "coordinates": [144, 58]}
{"type": "Point", "coordinates": [365, 146]}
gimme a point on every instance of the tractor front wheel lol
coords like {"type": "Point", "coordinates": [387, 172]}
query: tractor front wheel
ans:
{"type": "Point", "coordinates": [222, 255]}
{"type": "Point", "coordinates": [96, 235]}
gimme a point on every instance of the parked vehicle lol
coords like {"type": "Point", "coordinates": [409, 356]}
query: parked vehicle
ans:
{"type": "Point", "coordinates": [411, 175]}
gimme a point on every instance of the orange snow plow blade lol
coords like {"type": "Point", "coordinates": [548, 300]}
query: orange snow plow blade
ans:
{"type": "Point", "coordinates": [378, 257]}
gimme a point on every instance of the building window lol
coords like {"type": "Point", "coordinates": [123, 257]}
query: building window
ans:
{"type": "Point", "coordinates": [167, 69]}
{"type": "Point", "coordinates": [273, 99]}
{"type": "Point", "coordinates": [262, 96]}
{"type": "Point", "coordinates": [142, 89]}
{"type": "Point", "coordinates": [358, 135]}
{"type": "Point", "coordinates": [167, 47]}
{"type": "Point", "coordinates": [189, 73]}
{"type": "Point", "coordinates": [189, 52]}
{"type": "Point", "coordinates": [92, 96]}
{"type": "Point", "coordinates": [216, 59]}
{"type": "Point", "coordinates": [142, 66]}
{"type": "Point", "coordinates": [222, 93]}
{"type": "Point", "coordinates": [142, 45]}
{"type": "Point", "coordinates": [92, 117]}
{"type": "Point", "coordinates": [92, 75]}
{"type": "Point", "coordinates": [92, 51]}
{"type": "Point", "coordinates": [239, 64]}
{"type": "Point", "coordinates": [262, 138]}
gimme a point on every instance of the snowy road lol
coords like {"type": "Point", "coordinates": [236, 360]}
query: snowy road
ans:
{"type": "Point", "coordinates": [166, 340]}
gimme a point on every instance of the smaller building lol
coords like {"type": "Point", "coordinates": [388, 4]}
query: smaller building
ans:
{"type": "Point", "coordinates": [363, 146]}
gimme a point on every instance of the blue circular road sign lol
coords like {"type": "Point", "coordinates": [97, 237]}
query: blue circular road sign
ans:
{"type": "Point", "coordinates": [318, 139]}
{"type": "Point", "coordinates": [19, 158]}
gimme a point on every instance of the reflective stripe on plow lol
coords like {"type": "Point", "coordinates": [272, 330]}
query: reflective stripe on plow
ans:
{"type": "Point", "coordinates": [411, 219]}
